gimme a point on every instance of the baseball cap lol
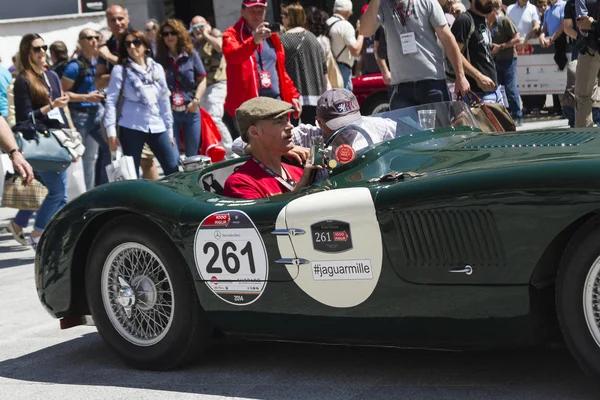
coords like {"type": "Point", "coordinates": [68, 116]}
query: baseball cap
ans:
{"type": "Point", "coordinates": [343, 5]}
{"type": "Point", "coordinates": [254, 3]}
{"type": "Point", "coordinates": [259, 109]}
{"type": "Point", "coordinates": [339, 108]}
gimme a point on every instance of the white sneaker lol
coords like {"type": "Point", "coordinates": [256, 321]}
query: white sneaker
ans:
{"type": "Point", "coordinates": [18, 235]}
{"type": "Point", "coordinates": [33, 241]}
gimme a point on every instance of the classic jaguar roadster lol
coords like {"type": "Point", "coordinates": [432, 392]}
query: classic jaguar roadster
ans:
{"type": "Point", "coordinates": [440, 238]}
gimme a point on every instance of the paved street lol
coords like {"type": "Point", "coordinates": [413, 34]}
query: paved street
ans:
{"type": "Point", "coordinates": [39, 361]}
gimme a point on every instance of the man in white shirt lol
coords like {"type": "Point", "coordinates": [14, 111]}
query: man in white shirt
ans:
{"type": "Point", "coordinates": [344, 43]}
{"type": "Point", "coordinates": [526, 18]}
{"type": "Point", "coordinates": [336, 109]}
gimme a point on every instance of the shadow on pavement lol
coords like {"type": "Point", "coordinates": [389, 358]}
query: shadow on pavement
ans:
{"type": "Point", "coordinates": [14, 262]}
{"type": "Point", "coordinates": [298, 371]}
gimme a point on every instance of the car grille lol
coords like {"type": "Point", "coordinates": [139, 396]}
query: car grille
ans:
{"type": "Point", "coordinates": [451, 238]}
{"type": "Point", "coordinates": [535, 140]}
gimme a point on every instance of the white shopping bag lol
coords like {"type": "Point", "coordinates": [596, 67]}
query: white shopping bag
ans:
{"type": "Point", "coordinates": [121, 168]}
{"type": "Point", "coordinates": [6, 167]}
{"type": "Point", "coordinates": [75, 180]}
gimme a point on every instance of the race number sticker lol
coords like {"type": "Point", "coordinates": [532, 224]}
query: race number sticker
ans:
{"type": "Point", "coordinates": [231, 257]}
{"type": "Point", "coordinates": [331, 236]}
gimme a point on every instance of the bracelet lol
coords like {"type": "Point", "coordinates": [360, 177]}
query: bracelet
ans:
{"type": "Point", "coordinates": [13, 151]}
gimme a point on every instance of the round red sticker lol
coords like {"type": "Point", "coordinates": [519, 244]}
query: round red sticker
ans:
{"type": "Point", "coordinates": [345, 153]}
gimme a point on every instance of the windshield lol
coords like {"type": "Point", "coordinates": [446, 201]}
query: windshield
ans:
{"type": "Point", "coordinates": [351, 141]}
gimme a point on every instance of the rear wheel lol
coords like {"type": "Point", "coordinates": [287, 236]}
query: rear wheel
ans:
{"type": "Point", "coordinates": [141, 297]}
{"type": "Point", "coordinates": [578, 297]}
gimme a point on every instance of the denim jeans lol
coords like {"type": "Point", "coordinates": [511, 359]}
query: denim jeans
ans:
{"type": "Point", "coordinates": [346, 75]}
{"type": "Point", "coordinates": [191, 126]}
{"type": "Point", "coordinates": [507, 76]}
{"type": "Point", "coordinates": [133, 141]}
{"type": "Point", "coordinates": [88, 125]}
{"type": "Point", "coordinates": [22, 218]}
{"type": "Point", "coordinates": [409, 94]}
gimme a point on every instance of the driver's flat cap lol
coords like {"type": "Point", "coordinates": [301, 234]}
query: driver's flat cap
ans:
{"type": "Point", "coordinates": [259, 109]}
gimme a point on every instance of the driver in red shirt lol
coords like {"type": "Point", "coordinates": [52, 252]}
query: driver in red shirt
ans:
{"type": "Point", "coordinates": [264, 123]}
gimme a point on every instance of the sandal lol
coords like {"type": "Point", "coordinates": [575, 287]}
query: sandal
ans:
{"type": "Point", "coordinates": [18, 234]}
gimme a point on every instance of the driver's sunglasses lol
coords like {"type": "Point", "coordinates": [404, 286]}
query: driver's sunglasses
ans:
{"type": "Point", "coordinates": [90, 38]}
{"type": "Point", "coordinates": [136, 43]}
{"type": "Point", "coordinates": [37, 49]}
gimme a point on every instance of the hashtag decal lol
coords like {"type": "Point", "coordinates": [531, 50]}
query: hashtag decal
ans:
{"type": "Point", "coordinates": [316, 270]}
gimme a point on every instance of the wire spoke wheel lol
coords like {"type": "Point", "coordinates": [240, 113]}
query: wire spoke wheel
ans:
{"type": "Point", "coordinates": [591, 300]}
{"type": "Point", "coordinates": [137, 294]}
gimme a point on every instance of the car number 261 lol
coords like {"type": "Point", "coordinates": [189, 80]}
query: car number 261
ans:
{"type": "Point", "coordinates": [231, 257]}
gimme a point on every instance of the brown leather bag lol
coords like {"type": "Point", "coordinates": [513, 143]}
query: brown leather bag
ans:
{"type": "Point", "coordinates": [492, 117]}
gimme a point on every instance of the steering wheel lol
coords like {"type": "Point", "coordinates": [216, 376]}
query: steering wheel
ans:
{"type": "Point", "coordinates": [347, 128]}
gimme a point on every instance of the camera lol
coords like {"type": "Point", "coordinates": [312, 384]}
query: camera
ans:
{"type": "Point", "coordinates": [274, 26]}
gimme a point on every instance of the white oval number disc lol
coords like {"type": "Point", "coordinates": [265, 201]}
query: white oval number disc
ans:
{"type": "Point", "coordinates": [231, 257]}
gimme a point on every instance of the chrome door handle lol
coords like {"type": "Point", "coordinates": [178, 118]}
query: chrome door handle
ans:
{"type": "Point", "coordinates": [288, 232]}
{"type": "Point", "coordinates": [466, 270]}
{"type": "Point", "coordinates": [293, 261]}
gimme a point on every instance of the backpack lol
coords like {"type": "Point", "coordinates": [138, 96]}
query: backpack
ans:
{"type": "Point", "coordinates": [59, 68]}
{"type": "Point", "coordinates": [450, 74]}
{"type": "Point", "coordinates": [80, 75]}
{"type": "Point", "coordinates": [330, 38]}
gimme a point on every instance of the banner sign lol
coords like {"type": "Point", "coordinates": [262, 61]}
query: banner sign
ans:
{"type": "Point", "coordinates": [537, 72]}
{"type": "Point", "coordinates": [33, 9]}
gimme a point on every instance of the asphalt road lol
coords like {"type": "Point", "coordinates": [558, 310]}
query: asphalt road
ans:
{"type": "Point", "coordinates": [39, 361]}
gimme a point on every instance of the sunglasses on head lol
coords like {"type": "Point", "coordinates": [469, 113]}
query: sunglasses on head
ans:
{"type": "Point", "coordinates": [90, 38]}
{"type": "Point", "coordinates": [37, 49]}
{"type": "Point", "coordinates": [136, 43]}
{"type": "Point", "coordinates": [169, 33]}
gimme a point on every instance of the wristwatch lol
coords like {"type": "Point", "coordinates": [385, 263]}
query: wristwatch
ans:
{"type": "Point", "coordinates": [13, 151]}
{"type": "Point", "coordinates": [502, 46]}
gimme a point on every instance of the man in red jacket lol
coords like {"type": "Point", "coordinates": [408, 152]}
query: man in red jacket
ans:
{"type": "Point", "coordinates": [255, 64]}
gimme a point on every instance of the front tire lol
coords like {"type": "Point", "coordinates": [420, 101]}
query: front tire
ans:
{"type": "Point", "coordinates": [142, 298]}
{"type": "Point", "coordinates": [578, 297]}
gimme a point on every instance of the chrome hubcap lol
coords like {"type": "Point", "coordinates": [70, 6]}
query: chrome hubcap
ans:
{"type": "Point", "coordinates": [137, 294]}
{"type": "Point", "coordinates": [591, 300]}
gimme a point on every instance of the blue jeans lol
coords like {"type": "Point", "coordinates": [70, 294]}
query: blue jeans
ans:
{"type": "Point", "coordinates": [507, 76]}
{"type": "Point", "coordinates": [133, 141]}
{"type": "Point", "coordinates": [56, 183]}
{"type": "Point", "coordinates": [346, 75]}
{"type": "Point", "coordinates": [192, 131]}
{"type": "Point", "coordinates": [87, 124]}
{"type": "Point", "coordinates": [569, 113]}
{"type": "Point", "coordinates": [409, 94]}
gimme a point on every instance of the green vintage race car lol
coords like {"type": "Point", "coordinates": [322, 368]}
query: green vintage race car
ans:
{"type": "Point", "coordinates": [439, 238]}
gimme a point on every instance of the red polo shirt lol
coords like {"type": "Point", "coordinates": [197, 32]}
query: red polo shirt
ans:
{"type": "Point", "coordinates": [250, 181]}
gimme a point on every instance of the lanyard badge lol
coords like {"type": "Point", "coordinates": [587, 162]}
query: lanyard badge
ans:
{"type": "Point", "coordinates": [289, 184]}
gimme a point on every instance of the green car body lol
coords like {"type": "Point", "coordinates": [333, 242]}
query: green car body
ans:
{"type": "Point", "coordinates": [469, 247]}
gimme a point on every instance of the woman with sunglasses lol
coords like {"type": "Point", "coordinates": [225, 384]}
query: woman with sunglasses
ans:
{"type": "Point", "coordinates": [38, 96]}
{"type": "Point", "coordinates": [186, 78]}
{"type": "Point", "coordinates": [145, 112]}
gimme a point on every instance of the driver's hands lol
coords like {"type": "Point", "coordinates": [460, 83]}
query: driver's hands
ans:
{"type": "Point", "coordinates": [298, 153]}
{"type": "Point", "coordinates": [305, 180]}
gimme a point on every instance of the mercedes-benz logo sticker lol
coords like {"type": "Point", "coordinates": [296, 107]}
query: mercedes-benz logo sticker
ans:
{"type": "Point", "coordinates": [217, 235]}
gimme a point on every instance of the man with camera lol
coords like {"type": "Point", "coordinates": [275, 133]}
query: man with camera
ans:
{"type": "Point", "coordinates": [255, 63]}
{"type": "Point", "coordinates": [588, 70]}
{"type": "Point", "coordinates": [78, 82]}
